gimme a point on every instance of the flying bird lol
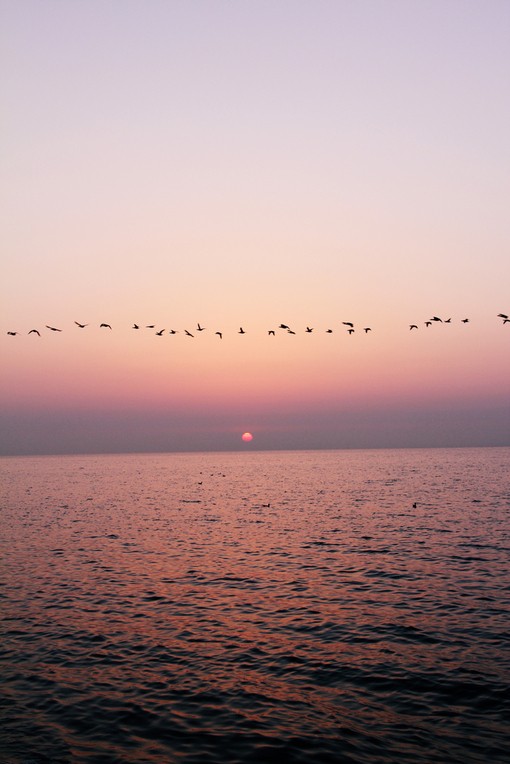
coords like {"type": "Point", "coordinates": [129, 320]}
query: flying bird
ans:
{"type": "Point", "coordinates": [309, 331]}
{"type": "Point", "coordinates": [188, 334]}
{"type": "Point", "coordinates": [329, 331]}
{"type": "Point", "coordinates": [428, 323]}
{"type": "Point", "coordinates": [465, 320]}
{"type": "Point", "coordinates": [200, 328]}
{"type": "Point", "coordinates": [220, 335]}
{"type": "Point", "coordinates": [283, 326]}
{"type": "Point", "coordinates": [502, 315]}
{"type": "Point", "coordinates": [172, 331]}
{"type": "Point", "coordinates": [35, 331]}
{"type": "Point", "coordinates": [289, 331]}
{"type": "Point", "coordinates": [53, 329]}
{"type": "Point", "coordinates": [13, 334]}
{"type": "Point", "coordinates": [413, 326]}
{"type": "Point", "coordinates": [350, 331]}
{"type": "Point", "coordinates": [106, 326]}
{"type": "Point", "coordinates": [448, 320]}
{"type": "Point", "coordinates": [150, 326]}
{"type": "Point", "coordinates": [82, 326]}
{"type": "Point", "coordinates": [160, 333]}
{"type": "Point", "coordinates": [271, 333]}
{"type": "Point", "coordinates": [367, 329]}
{"type": "Point", "coordinates": [435, 318]}
{"type": "Point", "coordinates": [135, 326]}
{"type": "Point", "coordinates": [241, 330]}
{"type": "Point", "coordinates": [348, 323]}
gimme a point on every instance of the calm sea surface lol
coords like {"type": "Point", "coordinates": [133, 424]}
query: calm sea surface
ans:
{"type": "Point", "coordinates": [256, 607]}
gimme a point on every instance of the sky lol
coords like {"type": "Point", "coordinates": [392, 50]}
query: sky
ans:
{"type": "Point", "coordinates": [251, 164]}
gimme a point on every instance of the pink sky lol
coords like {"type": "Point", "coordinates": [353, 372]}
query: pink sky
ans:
{"type": "Point", "coordinates": [246, 165]}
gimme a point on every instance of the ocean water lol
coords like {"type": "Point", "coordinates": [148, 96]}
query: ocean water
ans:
{"type": "Point", "coordinates": [256, 607]}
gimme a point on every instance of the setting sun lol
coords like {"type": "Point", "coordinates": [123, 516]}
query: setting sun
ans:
{"type": "Point", "coordinates": [246, 436]}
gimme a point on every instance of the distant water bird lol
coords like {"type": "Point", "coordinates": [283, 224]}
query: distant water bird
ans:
{"type": "Point", "coordinates": [271, 333]}
{"type": "Point", "coordinates": [348, 323]}
{"type": "Point", "coordinates": [105, 326]}
{"type": "Point", "coordinates": [413, 326]}
{"type": "Point", "coordinates": [82, 326]}
{"type": "Point", "coordinates": [502, 315]}
{"type": "Point", "coordinates": [367, 329]}
{"type": "Point", "coordinates": [13, 334]}
{"type": "Point", "coordinates": [448, 320]}
{"type": "Point", "coordinates": [200, 328]}
{"type": "Point", "coordinates": [241, 330]}
{"type": "Point", "coordinates": [35, 331]}
{"type": "Point", "coordinates": [428, 323]}
{"type": "Point", "coordinates": [188, 334]}
{"type": "Point", "coordinates": [415, 505]}
{"type": "Point", "coordinates": [465, 320]}
{"type": "Point", "coordinates": [135, 326]}
{"type": "Point", "coordinates": [160, 333]}
{"type": "Point", "coordinates": [220, 335]}
{"type": "Point", "coordinates": [289, 331]}
{"type": "Point", "coordinates": [350, 331]}
{"type": "Point", "coordinates": [53, 328]}
{"type": "Point", "coordinates": [172, 331]}
{"type": "Point", "coordinates": [506, 320]}
{"type": "Point", "coordinates": [283, 326]}
{"type": "Point", "coordinates": [436, 318]}
{"type": "Point", "coordinates": [150, 326]}
{"type": "Point", "coordinates": [309, 331]}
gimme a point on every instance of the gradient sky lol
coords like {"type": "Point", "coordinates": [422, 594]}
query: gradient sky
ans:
{"type": "Point", "coordinates": [248, 164]}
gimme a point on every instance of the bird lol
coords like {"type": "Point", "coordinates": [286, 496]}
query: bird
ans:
{"type": "Point", "coordinates": [13, 334]}
{"type": "Point", "coordinates": [309, 331]}
{"type": "Point", "coordinates": [241, 330]}
{"type": "Point", "coordinates": [448, 320]}
{"type": "Point", "coordinates": [135, 326]}
{"type": "Point", "coordinates": [502, 315]}
{"type": "Point", "coordinates": [428, 323]}
{"type": "Point", "coordinates": [160, 333]}
{"type": "Point", "coordinates": [283, 326]}
{"type": "Point", "coordinates": [350, 331]}
{"type": "Point", "coordinates": [506, 320]}
{"type": "Point", "coordinates": [348, 323]}
{"type": "Point", "coordinates": [200, 328]}
{"type": "Point", "coordinates": [465, 320]}
{"type": "Point", "coordinates": [271, 333]}
{"type": "Point", "coordinates": [289, 331]}
{"type": "Point", "coordinates": [435, 318]}
{"type": "Point", "coordinates": [150, 326]}
{"type": "Point", "coordinates": [413, 326]}
{"type": "Point", "coordinates": [53, 328]}
{"type": "Point", "coordinates": [220, 335]}
{"type": "Point", "coordinates": [106, 326]}
{"type": "Point", "coordinates": [367, 329]}
{"type": "Point", "coordinates": [82, 326]}
{"type": "Point", "coordinates": [172, 331]}
{"type": "Point", "coordinates": [188, 334]}
{"type": "Point", "coordinates": [329, 331]}
{"type": "Point", "coordinates": [35, 331]}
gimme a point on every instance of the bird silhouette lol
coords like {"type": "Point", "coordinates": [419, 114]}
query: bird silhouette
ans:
{"type": "Point", "coordinates": [502, 315]}
{"type": "Point", "coordinates": [348, 323]}
{"type": "Point", "coordinates": [241, 330]}
{"type": "Point", "coordinates": [135, 326]}
{"type": "Point", "coordinates": [329, 331]}
{"type": "Point", "coordinates": [283, 326]}
{"type": "Point", "coordinates": [367, 329]}
{"type": "Point", "coordinates": [448, 320]}
{"type": "Point", "coordinates": [53, 328]}
{"type": "Point", "coordinates": [82, 326]}
{"type": "Point", "coordinates": [220, 335]}
{"type": "Point", "coordinates": [413, 326]}
{"type": "Point", "coordinates": [172, 331]}
{"type": "Point", "coordinates": [350, 331]}
{"type": "Point", "coordinates": [35, 331]}
{"type": "Point", "coordinates": [309, 331]}
{"type": "Point", "coordinates": [105, 326]}
{"type": "Point", "coordinates": [271, 333]}
{"type": "Point", "coordinates": [13, 334]}
{"type": "Point", "coordinates": [435, 318]}
{"type": "Point", "coordinates": [188, 334]}
{"type": "Point", "coordinates": [289, 331]}
{"type": "Point", "coordinates": [465, 320]}
{"type": "Point", "coordinates": [428, 323]}
{"type": "Point", "coordinates": [150, 326]}
{"type": "Point", "coordinates": [160, 333]}
{"type": "Point", "coordinates": [200, 328]}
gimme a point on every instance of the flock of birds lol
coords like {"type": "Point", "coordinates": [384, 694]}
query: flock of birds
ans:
{"type": "Point", "coordinates": [271, 332]}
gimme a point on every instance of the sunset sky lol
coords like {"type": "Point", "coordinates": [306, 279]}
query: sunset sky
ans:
{"type": "Point", "coordinates": [249, 164]}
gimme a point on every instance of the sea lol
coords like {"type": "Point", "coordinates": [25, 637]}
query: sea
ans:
{"type": "Point", "coordinates": [305, 606]}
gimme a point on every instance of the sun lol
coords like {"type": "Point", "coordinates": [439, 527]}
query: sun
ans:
{"type": "Point", "coordinates": [246, 436]}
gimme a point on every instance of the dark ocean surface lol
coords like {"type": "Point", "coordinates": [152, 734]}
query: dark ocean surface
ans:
{"type": "Point", "coordinates": [256, 607]}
